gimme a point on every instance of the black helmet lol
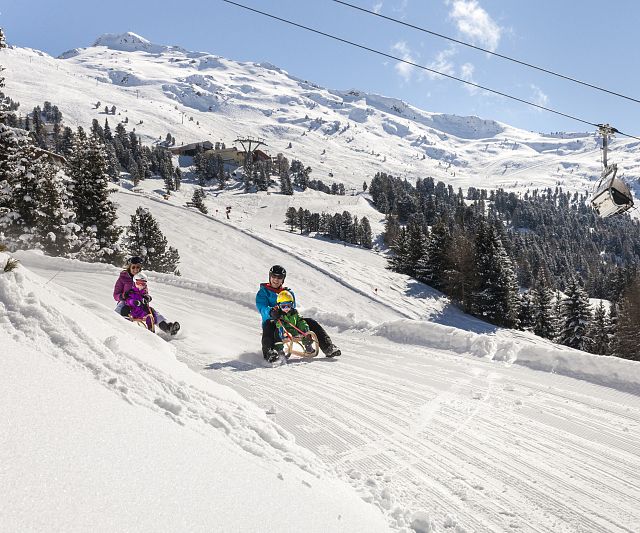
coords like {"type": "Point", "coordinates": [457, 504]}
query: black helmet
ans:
{"type": "Point", "coordinates": [279, 271]}
{"type": "Point", "coordinates": [135, 260]}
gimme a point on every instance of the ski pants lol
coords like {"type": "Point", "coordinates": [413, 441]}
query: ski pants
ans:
{"type": "Point", "coordinates": [270, 335]}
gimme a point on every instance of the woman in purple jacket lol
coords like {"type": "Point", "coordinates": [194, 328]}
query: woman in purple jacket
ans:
{"type": "Point", "coordinates": [124, 288]}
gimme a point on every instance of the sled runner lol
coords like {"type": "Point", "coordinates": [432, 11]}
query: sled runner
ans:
{"type": "Point", "coordinates": [147, 321]}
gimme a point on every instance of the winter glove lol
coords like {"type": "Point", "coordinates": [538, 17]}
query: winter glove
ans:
{"type": "Point", "coordinates": [146, 299]}
{"type": "Point", "coordinates": [275, 313]}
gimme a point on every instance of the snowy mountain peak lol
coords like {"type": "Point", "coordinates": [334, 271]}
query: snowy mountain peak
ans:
{"type": "Point", "coordinates": [132, 42]}
{"type": "Point", "coordinates": [123, 41]}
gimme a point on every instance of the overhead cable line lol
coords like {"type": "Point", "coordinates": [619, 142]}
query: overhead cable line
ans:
{"type": "Point", "coordinates": [524, 63]}
{"type": "Point", "coordinates": [395, 58]}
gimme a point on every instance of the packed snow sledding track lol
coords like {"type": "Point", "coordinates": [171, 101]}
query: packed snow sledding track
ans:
{"type": "Point", "coordinates": [479, 444]}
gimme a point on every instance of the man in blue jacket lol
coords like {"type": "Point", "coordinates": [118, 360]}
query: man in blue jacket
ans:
{"type": "Point", "coordinates": [270, 312]}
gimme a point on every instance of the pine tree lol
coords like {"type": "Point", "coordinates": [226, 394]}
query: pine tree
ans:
{"type": "Point", "coordinates": [542, 310]}
{"type": "Point", "coordinates": [16, 155]}
{"type": "Point", "coordinates": [626, 342]}
{"type": "Point", "coordinates": [575, 318]}
{"type": "Point", "coordinates": [460, 279]}
{"type": "Point", "coordinates": [18, 202]}
{"type": "Point", "coordinates": [300, 215]}
{"type": "Point", "coordinates": [434, 264]}
{"type": "Point", "coordinates": [416, 246]}
{"type": "Point", "coordinates": [557, 315]}
{"type": "Point", "coordinates": [223, 176]}
{"type": "Point", "coordinates": [144, 239]}
{"type": "Point", "coordinates": [291, 218]}
{"type": "Point", "coordinates": [366, 238]}
{"type": "Point", "coordinates": [198, 200]}
{"type": "Point", "coordinates": [90, 197]}
{"type": "Point", "coordinates": [398, 261]}
{"type": "Point", "coordinates": [54, 220]}
{"type": "Point", "coordinates": [496, 297]}
{"type": "Point", "coordinates": [177, 178]}
{"type": "Point", "coordinates": [598, 331]}
{"type": "Point", "coordinates": [6, 104]}
{"type": "Point", "coordinates": [391, 230]}
{"type": "Point", "coordinates": [285, 184]}
{"type": "Point", "coordinates": [526, 315]}
{"type": "Point", "coordinates": [113, 167]}
{"type": "Point", "coordinates": [65, 145]}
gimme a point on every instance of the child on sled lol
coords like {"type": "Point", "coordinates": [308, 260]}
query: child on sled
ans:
{"type": "Point", "coordinates": [136, 307]}
{"type": "Point", "coordinates": [291, 324]}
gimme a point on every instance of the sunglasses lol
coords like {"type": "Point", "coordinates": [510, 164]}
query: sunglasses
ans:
{"type": "Point", "coordinates": [276, 276]}
{"type": "Point", "coordinates": [286, 307]}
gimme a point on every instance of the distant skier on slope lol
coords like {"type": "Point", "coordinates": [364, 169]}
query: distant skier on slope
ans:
{"type": "Point", "coordinates": [127, 296]}
{"type": "Point", "coordinates": [267, 305]}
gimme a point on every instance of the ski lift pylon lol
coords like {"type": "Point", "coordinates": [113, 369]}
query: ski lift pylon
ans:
{"type": "Point", "coordinates": [612, 195]}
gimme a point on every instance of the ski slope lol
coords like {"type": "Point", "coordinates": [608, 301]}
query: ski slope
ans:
{"type": "Point", "coordinates": [437, 421]}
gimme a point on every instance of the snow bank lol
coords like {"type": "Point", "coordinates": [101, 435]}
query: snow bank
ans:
{"type": "Point", "coordinates": [519, 348]}
{"type": "Point", "coordinates": [102, 425]}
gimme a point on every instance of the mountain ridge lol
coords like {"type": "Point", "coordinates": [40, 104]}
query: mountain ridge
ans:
{"type": "Point", "coordinates": [350, 134]}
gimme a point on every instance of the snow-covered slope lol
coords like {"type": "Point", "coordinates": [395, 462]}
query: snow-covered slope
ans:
{"type": "Point", "coordinates": [198, 96]}
{"type": "Point", "coordinates": [438, 420]}
{"type": "Point", "coordinates": [104, 430]}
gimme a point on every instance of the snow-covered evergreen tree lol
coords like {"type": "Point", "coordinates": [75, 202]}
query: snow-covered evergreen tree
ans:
{"type": "Point", "coordinates": [398, 262]}
{"type": "Point", "coordinates": [542, 310]}
{"type": "Point", "coordinates": [416, 246]}
{"type": "Point", "coordinates": [299, 174]}
{"type": "Point", "coordinates": [598, 331]}
{"type": "Point", "coordinates": [198, 200]}
{"type": "Point", "coordinates": [285, 183]}
{"type": "Point", "coordinates": [54, 219]}
{"type": "Point", "coordinates": [496, 296]}
{"type": "Point", "coordinates": [366, 238]}
{"type": "Point", "coordinates": [434, 264]}
{"type": "Point", "coordinates": [626, 341]}
{"type": "Point", "coordinates": [526, 315]}
{"type": "Point", "coordinates": [144, 239]}
{"type": "Point", "coordinates": [575, 318]}
{"type": "Point", "coordinates": [89, 188]}
{"type": "Point", "coordinates": [18, 202]}
{"type": "Point", "coordinates": [291, 218]}
{"type": "Point", "coordinates": [460, 277]}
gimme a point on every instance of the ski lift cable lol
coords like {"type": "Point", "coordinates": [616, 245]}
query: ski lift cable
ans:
{"type": "Point", "coordinates": [417, 65]}
{"type": "Point", "coordinates": [524, 63]}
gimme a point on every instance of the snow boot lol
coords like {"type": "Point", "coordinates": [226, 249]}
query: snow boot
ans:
{"type": "Point", "coordinates": [307, 342]}
{"type": "Point", "coordinates": [169, 327]}
{"type": "Point", "coordinates": [272, 355]}
{"type": "Point", "coordinates": [332, 351]}
{"type": "Point", "coordinates": [275, 353]}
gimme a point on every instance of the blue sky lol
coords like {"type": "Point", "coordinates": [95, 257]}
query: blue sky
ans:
{"type": "Point", "coordinates": [573, 37]}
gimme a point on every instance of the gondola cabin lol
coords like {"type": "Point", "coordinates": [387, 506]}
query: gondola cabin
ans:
{"type": "Point", "coordinates": [613, 197]}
